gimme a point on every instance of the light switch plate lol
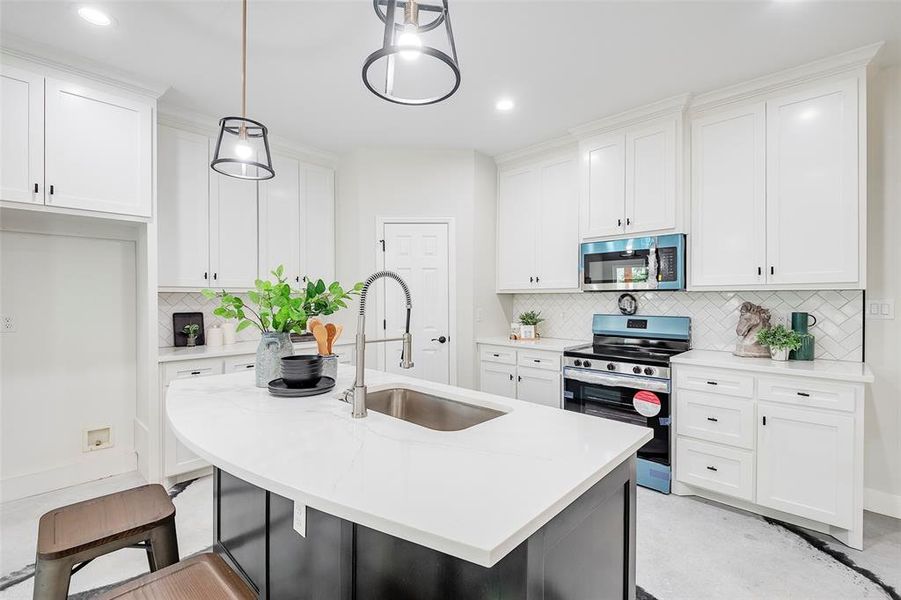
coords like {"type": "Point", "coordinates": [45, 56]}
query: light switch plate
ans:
{"type": "Point", "coordinates": [880, 310]}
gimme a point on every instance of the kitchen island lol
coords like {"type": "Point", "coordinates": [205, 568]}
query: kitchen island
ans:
{"type": "Point", "coordinates": [311, 503]}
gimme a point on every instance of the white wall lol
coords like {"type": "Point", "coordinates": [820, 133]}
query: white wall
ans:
{"type": "Point", "coordinates": [883, 338]}
{"type": "Point", "coordinates": [390, 182]}
{"type": "Point", "coordinates": [71, 363]}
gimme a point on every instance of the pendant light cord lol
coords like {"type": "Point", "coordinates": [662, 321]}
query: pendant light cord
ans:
{"type": "Point", "coordinates": [244, 60]}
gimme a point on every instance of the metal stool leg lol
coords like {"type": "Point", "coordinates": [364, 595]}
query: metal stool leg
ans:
{"type": "Point", "coordinates": [163, 546]}
{"type": "Point", "coordinates": [51, 579]}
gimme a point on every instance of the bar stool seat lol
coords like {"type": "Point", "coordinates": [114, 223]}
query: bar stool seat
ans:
{"type": "Point", "coordinates": [201, 577]}
{"type": "Point", "coordinates": [71, 536]}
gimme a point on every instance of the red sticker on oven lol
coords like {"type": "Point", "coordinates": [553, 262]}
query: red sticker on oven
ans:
{"type": "Point", "coordinates": [646, 403]}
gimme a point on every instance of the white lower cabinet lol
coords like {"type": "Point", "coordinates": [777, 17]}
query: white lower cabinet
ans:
{"type": "Point", "coordinates": [177, 459]}
{"type": "Point", "coordinates": [788, 447]}
{"type": "Point", "coordinates": [524, 374]}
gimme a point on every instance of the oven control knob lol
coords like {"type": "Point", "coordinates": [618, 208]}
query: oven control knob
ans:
{"type": "Point", "coordinates": [648, 371]}
{"type": "Point", "coordinates": [611, 367]}
{"type": "Point", "coordinates": [586, 363]}
{"type": "Point", "coordinates": [636, 370]}
{"type": "Point", "coordinates": [577, 363]}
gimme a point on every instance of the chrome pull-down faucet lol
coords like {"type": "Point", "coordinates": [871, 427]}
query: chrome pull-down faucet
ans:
{"type": "Point", "coordinates": [358, 392]}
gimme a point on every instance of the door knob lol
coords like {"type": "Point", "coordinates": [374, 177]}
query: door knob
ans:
{"type": "Point", "coordinates": [440, 339]}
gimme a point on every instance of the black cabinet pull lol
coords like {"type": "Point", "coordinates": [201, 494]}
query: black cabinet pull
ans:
{"type": "Point", "coordinates": [195, 372]}
{"type": "Point", "coordinates": [713, 419]}
{"type": "Point", "coordinates": [531, 279]}
{"type": "Point", "coordinates": [248, 366]}
{"type": "Point", "coordinates": [805, 394]}
{"type": "Point", "coordinates": [712, 383]}
{"type": "Point", "coordinates": [538, 360]}
{"type": "Point", "coordinates": [215, 275]}
{"type": "Point", "coordinates": [711, 468]}
{"type": "Point", "coordinates": [519, 378]}
{"type": "Point", "coordinates": [297, 279]}
{"type": "Point", "coordinates": [35, 188]}
{"type": "Point", "coordinates": [628, 221]}
{"type": "Point", "coordinates": [536, 279]}
{"type": "Point", "coordinates": [496, 355]}
{"type": "Point", "coordinates": [759, 271]}
{"type": "Point", "coordinates": [772, 270]}
{"type": "Point", "coordinates": [206, 275]}
{"type": "Point", "coordinates": [619, 222]}
{"type": "Point", "coordinates": [511, 376]}
{"type": "Point", "coordinates": [51, 190]}
{"type": "Point", "coordinates": [764, 419]}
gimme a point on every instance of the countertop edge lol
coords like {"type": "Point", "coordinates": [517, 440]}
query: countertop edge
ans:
{"type": "Point", "coordinates": [726, 360]}
{"type": "Point", "coordinates": [244, 348]}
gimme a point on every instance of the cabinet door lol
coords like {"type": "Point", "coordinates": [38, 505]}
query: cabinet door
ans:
{"type": "Point", "coordinates": [812, 186]}
{"type": "Point", "coordinates": [651, 178]}
{"type": "Point", "coordinates": [233, 231]}
{"type": "Point", "coordinates": [98, 150]}
{"type": "Point", "coordinates": [498, 379]}
{"type": "Point", "coordinates": [280, 220]}
{"type": "Point", "coordinates": [728, 202]}
{"type": "Point", "coordinates": [539, 386]}
{"type": "Point", "coordinates": [318, 217]}
{"type": "Point", "coordinates": [177, 458]}
{"type": "Point", "coordinates": [21, 136]}
{"type": "Point", "coordinates": [183, 208]}
{"type": "Point", "coordinates": [517, 229]}
{"type": "Point", "coordinates": [805, 462]}
{"type": "Point", "coordinates": [603, 195]}
{"type": "Point", "coordinates": [558, 227]}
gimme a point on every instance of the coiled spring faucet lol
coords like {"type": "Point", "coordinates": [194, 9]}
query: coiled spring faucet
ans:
{"type": "Point", "coordinates": [358, 392]}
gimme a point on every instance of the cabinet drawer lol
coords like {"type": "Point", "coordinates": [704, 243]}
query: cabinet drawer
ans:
{"type": "Point", "coordinates": [237, 364]}
{"type": "Point", "coordinates": [538, 359]}
{"type": "Point", "coordinates": [194, 368]}
{"type": "Point", "coordinates": [498, 354]}
{"type": "Point", "coordinates": [716, 381]}
{"type": "Point", "coordinates": [807, 392]}
{"type": "Point", "coordinates": [724, 419]}
{"type": "Point", "coordinates": [729, 471]}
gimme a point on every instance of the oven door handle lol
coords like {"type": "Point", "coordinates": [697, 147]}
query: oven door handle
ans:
{"type": "Point", "coordinates": [652, 385]}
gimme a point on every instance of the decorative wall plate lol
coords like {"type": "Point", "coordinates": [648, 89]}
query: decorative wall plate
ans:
{"type": "Point", "coordinates": [627, 303]}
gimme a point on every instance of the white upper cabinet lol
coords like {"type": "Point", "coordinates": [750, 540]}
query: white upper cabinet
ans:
{"type": "Point", "coordinates": [518, 197]}
{"type": "Point", "coordinates": [183, 208]}
{"type": "Point", "coordinates": [233, 231]}
{"type": "Point", "coordinates": [538, 227]}
{"type": "Point", "coordinates": [21, 136]}
{"type": "Point", "coordinates": [728, 231]}
{"type": "Point", "coordinates": [318, 222]}
{"type": "Point", "coordinates": [651, 178]}
{"type": "Point", "coordinates": [812, 186]}
{"type": "Point", "coordinates": [98, 153]}
{"type": "Point", "coordinates": [280, 220]}
{"type": "Point", "coordinates": [603, 186]}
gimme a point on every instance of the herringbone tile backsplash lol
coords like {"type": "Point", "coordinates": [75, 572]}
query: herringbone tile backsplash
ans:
{"type": "Point", "coordinates": [173, 302]}
{"type": "Point", "coordinates": [839, 328]}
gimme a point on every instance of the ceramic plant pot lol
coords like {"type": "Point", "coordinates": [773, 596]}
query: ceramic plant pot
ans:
{"type": "Point", "coordinates": [273, 346]}
{"type": "Point", "coordinates": [779, 354]}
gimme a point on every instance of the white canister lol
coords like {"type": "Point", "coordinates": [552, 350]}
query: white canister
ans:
{"type": "Point", "coordinates": [214, 336]}
{"type": "Point", "coordinates": [229, 333]}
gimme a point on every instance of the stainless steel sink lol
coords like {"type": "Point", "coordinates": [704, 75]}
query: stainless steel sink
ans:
{"type": "Point", "coordinates": [428, 410]}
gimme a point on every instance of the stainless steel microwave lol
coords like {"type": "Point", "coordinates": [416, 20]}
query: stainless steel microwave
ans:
{"type": "Point", "coordinates": [646, 263]}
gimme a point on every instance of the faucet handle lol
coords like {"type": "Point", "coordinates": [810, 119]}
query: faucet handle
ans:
{"type": "Point", "coordinates": [348, 395]}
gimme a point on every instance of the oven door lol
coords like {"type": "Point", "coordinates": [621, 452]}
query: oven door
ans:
{"type": "Point", "coordinates": [636, 400]}
{"type": "Point", "coordinates": [634, 264]}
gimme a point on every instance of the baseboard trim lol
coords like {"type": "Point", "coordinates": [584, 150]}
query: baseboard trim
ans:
{"type": "Point", "coordinates": [92, 466]}
{"type": "Point", "coordinates": [881, 502]}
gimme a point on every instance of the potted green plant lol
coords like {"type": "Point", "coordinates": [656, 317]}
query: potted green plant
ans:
{"type": "Point", "coordinates": [779, 340]}
{"type": "Point", "coordinates": [191, 331]}
{"type": "Point", "coordinates": [528, 322]}
{"type": "Point", "coordinates": [277, 310]}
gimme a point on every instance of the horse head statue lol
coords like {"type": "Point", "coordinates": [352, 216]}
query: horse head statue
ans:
{"type": "Point", "coordinates": [752, 319]}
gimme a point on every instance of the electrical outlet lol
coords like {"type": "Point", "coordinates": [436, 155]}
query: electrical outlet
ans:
{"type": "Point", "coordinates": [7, 324]}
{"type": "Point", "coordinates": [882, 310]}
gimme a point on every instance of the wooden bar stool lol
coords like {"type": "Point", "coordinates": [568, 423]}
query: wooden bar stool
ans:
{"type": "Point", "coordinates": [201, 577]}
{"type": "Point", "coordinates": [72, 536]}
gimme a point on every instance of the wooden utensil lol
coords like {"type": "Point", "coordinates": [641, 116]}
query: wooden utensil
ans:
{"type": "Point", "coordinates": [321, 336]}
{"type": "Point", "coordinates": [331, 330]}
{"type": "Point", "coordinates": [313, 323]}
{"type": "Point", "coordinates": [338, 330]}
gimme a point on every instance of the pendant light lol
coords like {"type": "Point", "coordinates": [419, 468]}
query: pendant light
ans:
{"type": "Point", "coordinates": [242, 149]}
{"type": "Point", "coordinates": [405, 70]}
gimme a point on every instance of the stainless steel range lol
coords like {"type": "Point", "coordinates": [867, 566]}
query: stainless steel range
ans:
{"type": "Point", "coordinates": [624, 375]}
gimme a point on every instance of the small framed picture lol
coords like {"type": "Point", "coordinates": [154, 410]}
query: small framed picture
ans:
{"type": "Point", "coordinates": [527, 332]}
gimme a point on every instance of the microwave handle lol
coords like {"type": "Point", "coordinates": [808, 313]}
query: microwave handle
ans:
{"type": "Point", "coordinates": [617, 381]}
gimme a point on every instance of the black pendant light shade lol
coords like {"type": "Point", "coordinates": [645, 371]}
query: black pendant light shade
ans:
{"type": "Point", "coordinates": [406, 70]}
{"type": "Point", "coordinates": [242, 149]}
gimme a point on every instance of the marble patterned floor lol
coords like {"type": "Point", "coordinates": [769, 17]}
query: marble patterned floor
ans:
{"type": "Point", "coordinates": [687, 549]}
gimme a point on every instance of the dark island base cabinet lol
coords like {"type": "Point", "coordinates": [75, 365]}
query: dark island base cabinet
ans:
{"type": "Point", "coordinates": [587, 552]}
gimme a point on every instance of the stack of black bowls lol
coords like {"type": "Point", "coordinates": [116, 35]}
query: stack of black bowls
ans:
{"type": "Point", "coordinates": [302, 370]}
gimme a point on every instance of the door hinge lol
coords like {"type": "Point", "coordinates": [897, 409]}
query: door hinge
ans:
{"type": "Point", "coordinates": [382, 242]}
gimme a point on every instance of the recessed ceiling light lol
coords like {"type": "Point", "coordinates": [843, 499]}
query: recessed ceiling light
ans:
{"type": "Point", "coordinates": [95, 16]}
{"type": "Point", "coordinates": [504, 104]}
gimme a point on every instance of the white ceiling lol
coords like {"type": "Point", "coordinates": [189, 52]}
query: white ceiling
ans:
{"type": "Point", "coordinates": [564, 63]}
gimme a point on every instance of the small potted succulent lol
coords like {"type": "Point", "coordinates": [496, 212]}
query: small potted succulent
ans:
{"type": "Point", "coordinates": [528, 322]}
{"type": "Point", "coordinates": [779, 340]}
{"type": "Point", "coordinates": [191, 330]}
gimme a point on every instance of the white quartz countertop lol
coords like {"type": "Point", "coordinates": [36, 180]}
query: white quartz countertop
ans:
{"type": "Point", "coordinates": [839, 370]}
{"type": "Point", "coordinates": [551, 344]}
{"type": "Point", "coordinates": [172, 354]}
{"type": "Point", "coordinates": [475, 494]}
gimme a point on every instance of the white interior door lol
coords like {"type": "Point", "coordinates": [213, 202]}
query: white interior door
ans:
{"type": "Point", "coordinates": [21, 136]}
{"type": "Point", "coordinates": [418, 252]}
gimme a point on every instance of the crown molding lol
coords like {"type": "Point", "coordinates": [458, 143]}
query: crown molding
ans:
{"type": "Point", "coordinates": [562, 143]}
{"type": "Point", "coordinates": [661, 108]}
{"type": "Point", "coordinates": [50, 58]}
{"type": "Point", "coordinates": [838, 64]}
